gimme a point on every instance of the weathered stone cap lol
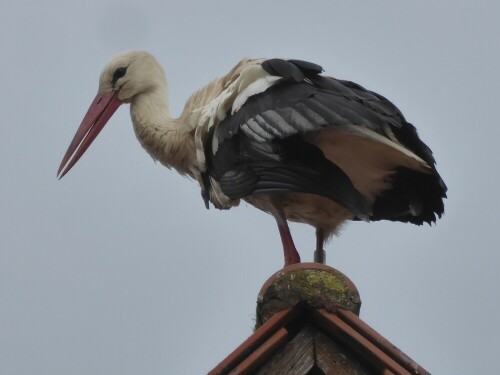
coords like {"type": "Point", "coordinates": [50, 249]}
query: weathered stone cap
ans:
{"type": "Point", "coordinates": [313, 284]}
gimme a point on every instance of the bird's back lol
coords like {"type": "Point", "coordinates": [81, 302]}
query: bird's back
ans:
{"type": "Point", "coordinates": [212, 90]}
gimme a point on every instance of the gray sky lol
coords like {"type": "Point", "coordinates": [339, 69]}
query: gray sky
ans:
{"type": "Point", "coordinates": [119, 269]}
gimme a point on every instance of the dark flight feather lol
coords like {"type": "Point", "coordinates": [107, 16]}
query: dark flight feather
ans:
{"type": "Point", "coordinates": [261, 149]}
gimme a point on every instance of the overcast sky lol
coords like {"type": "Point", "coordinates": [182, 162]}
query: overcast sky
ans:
{"type": "Point", "coordinates": [119, 269]}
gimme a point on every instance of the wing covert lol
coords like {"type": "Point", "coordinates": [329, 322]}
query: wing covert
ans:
{"type": "Point", "coordinates": [261, 144]}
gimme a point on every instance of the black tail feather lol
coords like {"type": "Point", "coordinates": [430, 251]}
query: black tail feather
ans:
{"type": "Point", "coordinates": [414, 197]}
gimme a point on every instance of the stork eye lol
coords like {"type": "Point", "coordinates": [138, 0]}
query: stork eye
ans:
{"type": "Point", "coordinates": [119, 73]}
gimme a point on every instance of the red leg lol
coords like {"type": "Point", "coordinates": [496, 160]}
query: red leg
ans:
{"type": "Point", "coordinates": [291, 254]}
{"type": "Point", "coordinates": [320, 254]}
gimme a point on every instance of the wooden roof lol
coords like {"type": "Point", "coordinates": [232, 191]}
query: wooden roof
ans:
{"type": "Point", "coordinates": [305, 338]}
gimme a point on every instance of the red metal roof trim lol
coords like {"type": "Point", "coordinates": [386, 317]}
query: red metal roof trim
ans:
{"type": "Point", "coordinates": [343, 326]}
{"type": "Point", "coordinates": [261, 354]}
{"type": "Point", "coordinates": [381, 342]}
{"type": "Point", "coordinates": [251, 344]}
{"type": "Point", "coordinates": [359, 344]}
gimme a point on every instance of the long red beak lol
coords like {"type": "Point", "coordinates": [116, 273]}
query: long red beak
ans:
{"type": "Point", "coordinates": [98, 114]}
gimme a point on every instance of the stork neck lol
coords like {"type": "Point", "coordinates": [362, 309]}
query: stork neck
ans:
{"type": "Point", "coordinates": [166, 139]}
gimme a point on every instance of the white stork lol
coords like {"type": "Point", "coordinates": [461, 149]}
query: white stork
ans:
{"type": "Point", "coordinates": [296, 144]}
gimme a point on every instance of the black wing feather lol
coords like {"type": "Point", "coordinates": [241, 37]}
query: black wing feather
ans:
{"type": "Point", "coordinates": [289, 165]}
{"type": "Point", "coordinates": [261, 147]}
{"type": "Point", "coordinates": [294, 70]}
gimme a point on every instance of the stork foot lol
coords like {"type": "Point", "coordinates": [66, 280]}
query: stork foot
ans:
{"type": "Point", "coordinates": [320, 254]}
{"type": "Point", "coordinates": [291, 256]}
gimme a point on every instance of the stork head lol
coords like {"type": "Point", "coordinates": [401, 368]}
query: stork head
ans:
{"type": "Point", "coordinates": [131, 73]}
{"type": "Point", "coordinates": [125, 77]}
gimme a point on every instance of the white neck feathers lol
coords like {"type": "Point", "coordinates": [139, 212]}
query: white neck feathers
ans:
{"type": "Point", "coordinates": [167, 140]}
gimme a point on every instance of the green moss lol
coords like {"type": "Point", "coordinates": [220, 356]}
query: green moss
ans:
{"type": "Point", "coordinates": [319, 288]}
